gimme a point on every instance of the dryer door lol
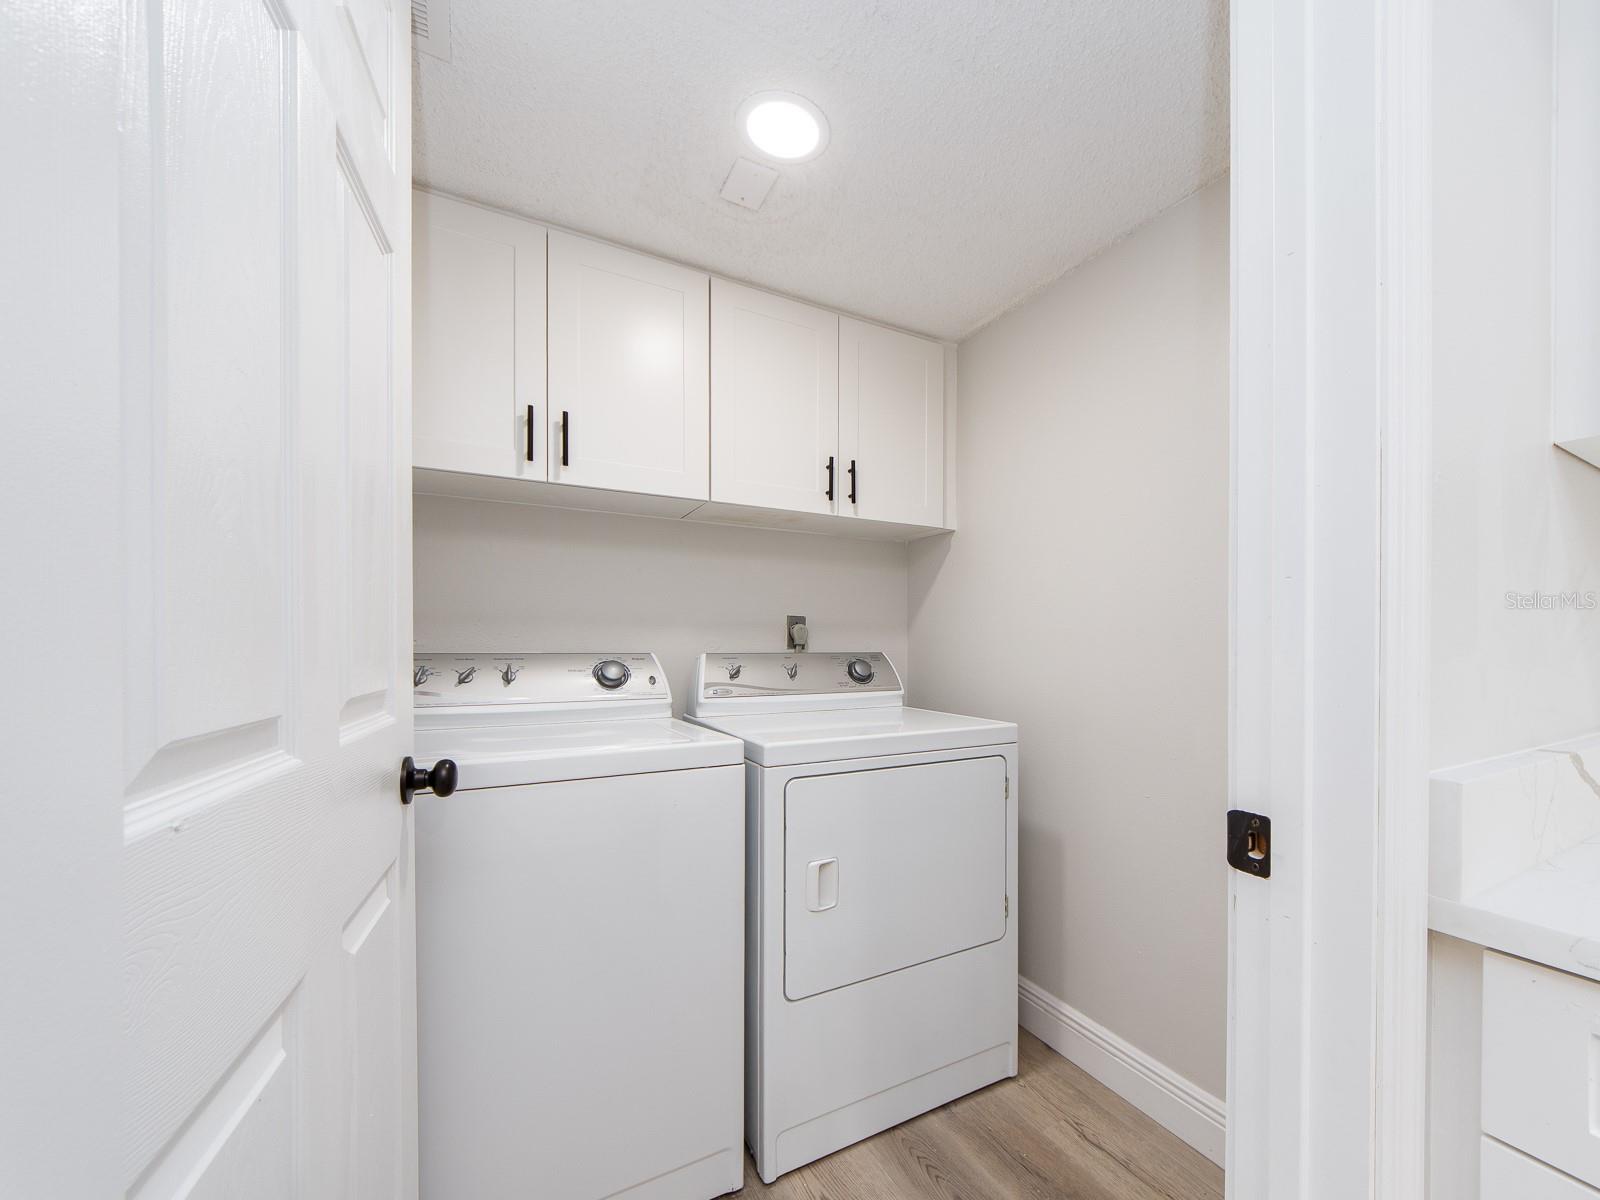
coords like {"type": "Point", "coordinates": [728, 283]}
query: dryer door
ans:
{"type": "Point", "coordinates": [887, 868]}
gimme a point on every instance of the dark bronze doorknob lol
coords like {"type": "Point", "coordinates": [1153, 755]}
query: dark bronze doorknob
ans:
{"type": "Point", "coordinates": [440, 780]}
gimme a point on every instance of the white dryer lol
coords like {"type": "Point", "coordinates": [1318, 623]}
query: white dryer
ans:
{"type": "Point", "coordinates": [881, 976]}
{"type": "Point", "coordinates": [580, 935]}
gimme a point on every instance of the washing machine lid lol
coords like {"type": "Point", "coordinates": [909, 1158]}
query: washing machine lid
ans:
{"type": "Point", "coordinates": [790, 738]}
{"type": "Point", "coordinates": [508, 755]}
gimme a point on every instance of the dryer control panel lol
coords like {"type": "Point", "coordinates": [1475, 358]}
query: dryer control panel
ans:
{"type": "Point", "coordinates": [440, 680]}
{"type": "Point", "coordinates": [733, 676]}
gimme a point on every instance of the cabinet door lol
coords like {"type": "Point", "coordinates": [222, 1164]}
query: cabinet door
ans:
{"type": "Point", "coordinates": [478, 324]}
{"type": "Point", "coordinates": [629, 379]}
{"type": "Point", "coordinates": [1541, 1036]}
{"type": "Point", "coordinates": [774, 400]}
{"type": "Point", "coordinates": [1510, 1175]}
{"type": "Point", "coordinates": [891, 424]}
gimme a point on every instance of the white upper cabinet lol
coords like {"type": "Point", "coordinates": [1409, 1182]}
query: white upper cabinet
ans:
{"type": "Point", "coordinates": [628, 371]}
{"type": "Point", "coordinates": [554, 369]}
{"type": "Point", "coordinates": [891, 425]}
{"type": "Point", "coordinates": [774, 401]}
{"type": "Point", "coordinates": [1575, 239]}
{"type": "Point", "coordinates": [479, 340]}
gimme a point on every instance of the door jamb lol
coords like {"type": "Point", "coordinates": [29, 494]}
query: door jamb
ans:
{"type": "Point", "coordinates": [1331, 231]}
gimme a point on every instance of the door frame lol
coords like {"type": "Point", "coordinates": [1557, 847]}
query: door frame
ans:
{"type": "Point", "coordinates": [1329, 595]}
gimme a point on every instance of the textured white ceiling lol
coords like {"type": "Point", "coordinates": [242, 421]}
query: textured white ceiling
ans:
{"type": "Point", "coordinates": [978, 149]}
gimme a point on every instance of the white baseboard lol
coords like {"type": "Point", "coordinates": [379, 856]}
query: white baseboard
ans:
{"type": "Point", "coordinates": [1190, 1112]}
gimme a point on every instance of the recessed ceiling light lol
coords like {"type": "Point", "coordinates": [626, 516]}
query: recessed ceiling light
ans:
{"type": "Point", "coordinates": [783, 126]}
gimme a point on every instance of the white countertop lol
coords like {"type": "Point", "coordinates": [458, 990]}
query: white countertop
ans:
{"type": "Point", "coordinates": [1549, 913]}
{"type": "Point", "coordinates": [1515, 855]}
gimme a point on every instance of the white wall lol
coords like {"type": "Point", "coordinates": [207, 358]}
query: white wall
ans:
{"type": "Point", "coordinates": [1085, 597]}
{"type": "Point", "coordinates": [1510, 511]}
{"type": "Point", "coordinates": [510, 576]}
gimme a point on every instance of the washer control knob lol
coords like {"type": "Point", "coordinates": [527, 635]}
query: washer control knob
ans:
{"type": "Point", "coordinates": [611, 674]}
{"type": "Point", "coordinates": [509, 673]}
{"type": "Point", "coordinates": [860, 670]}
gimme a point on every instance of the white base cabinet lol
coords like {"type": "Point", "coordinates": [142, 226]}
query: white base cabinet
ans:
{"type": "Point", "coordinates": [1512, 1104]}
{"type": "Point", "coordinates": [1510, 1175]}
{"type": "Point", "coordinates": [1540, 1052]}
{"type": "Point", "coordinates": [554, 369]}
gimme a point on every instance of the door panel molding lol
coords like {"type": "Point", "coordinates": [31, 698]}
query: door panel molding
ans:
{"type": "Point", "coordinates": [209, 667]}
{"type": "Point", "coordinates": [186, 1166]}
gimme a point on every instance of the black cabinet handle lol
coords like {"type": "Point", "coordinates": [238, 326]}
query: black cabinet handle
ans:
{"type": "Point", "coordinates": [530, 433]}
{"type": "Point", "coordinates": [852, 481]}
{"type": "Point", "coordinates": [441, 780]}
{"type": "Point", "coordinates": [566, 425]}
{"type": "Point", "coordinates": [830, 477]}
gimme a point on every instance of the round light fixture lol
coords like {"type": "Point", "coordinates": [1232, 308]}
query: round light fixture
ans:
{"type": "Point", "coordinates": [783, 126]}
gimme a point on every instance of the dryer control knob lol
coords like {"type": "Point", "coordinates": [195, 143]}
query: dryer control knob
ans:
{"type": "Point", "coordinates": [860, 670]}
{"type": "Point", "coordinates": [611, 674]}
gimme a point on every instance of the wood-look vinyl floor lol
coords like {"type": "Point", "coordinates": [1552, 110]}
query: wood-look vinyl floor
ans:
{"type": "Point", "coordinates": [1052, 1132]}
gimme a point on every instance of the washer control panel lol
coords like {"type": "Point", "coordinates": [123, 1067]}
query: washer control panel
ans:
{"type": "Point", "coordinates": [728, 676]}
{"type": "Point", "coordinates": [438, 680]}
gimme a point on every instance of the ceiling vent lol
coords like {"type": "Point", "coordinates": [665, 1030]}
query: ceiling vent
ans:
{"type": "Point", "coordinates": [430, 27]}
{"type": "Point", "coordinates": [748, 184]}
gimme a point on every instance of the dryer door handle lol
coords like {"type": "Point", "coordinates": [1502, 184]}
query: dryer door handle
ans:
{"type": "Point", "coordinates": [822, 884]}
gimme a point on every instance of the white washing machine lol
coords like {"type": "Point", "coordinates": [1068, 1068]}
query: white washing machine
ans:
{"type": "Point", "coordinates": [580, 934]}
{"type": "Point", "coordinates": [881, 948]}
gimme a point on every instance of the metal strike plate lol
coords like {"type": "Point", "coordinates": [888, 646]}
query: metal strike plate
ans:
{"type": "Point", "coordinates": [1250, 843]}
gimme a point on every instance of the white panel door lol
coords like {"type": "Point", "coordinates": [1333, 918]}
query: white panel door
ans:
{"type": "Point", "coordinates": [891, 424]}
{"type": "Point", "coordinates": [888, 868]}
{"type": "Point", "coordinates": [774, 401]}
{"type": "Point", "coordinates": [629, 377]}
{"type": "Point", "coordinates": [262, 602]}
{"type": "Point", "coordinates": [479, 340]}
